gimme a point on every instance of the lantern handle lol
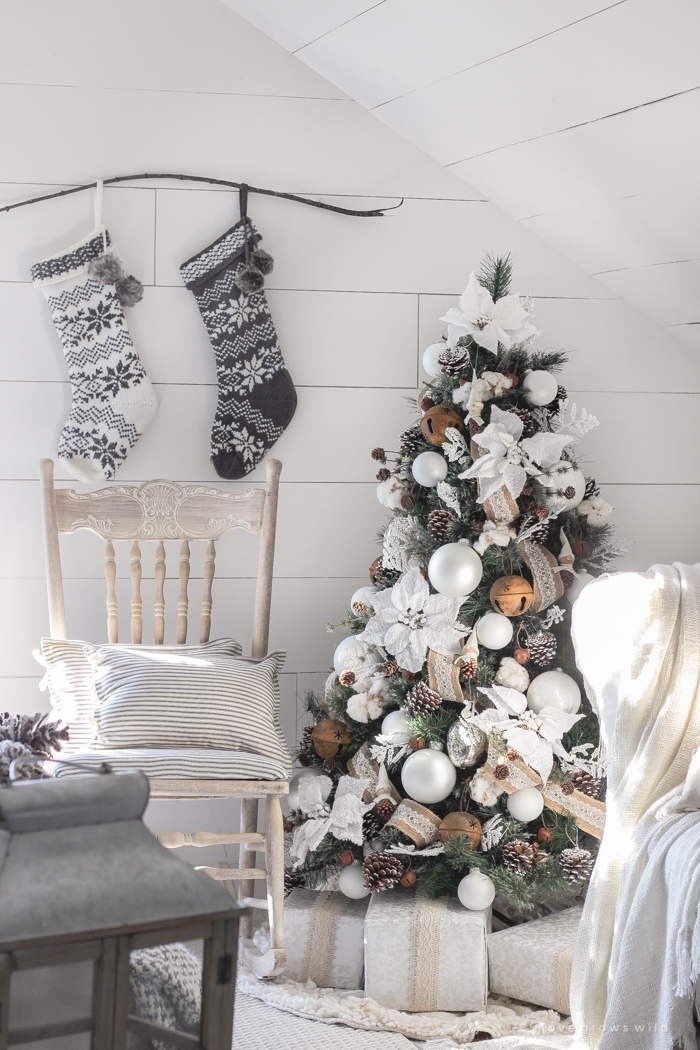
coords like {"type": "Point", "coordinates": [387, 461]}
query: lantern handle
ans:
{"type": "Point", "coordinates": [33, 760]}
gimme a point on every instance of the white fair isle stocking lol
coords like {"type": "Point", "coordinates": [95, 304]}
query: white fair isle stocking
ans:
{"type": "Point", "coordinates": [113, 400]}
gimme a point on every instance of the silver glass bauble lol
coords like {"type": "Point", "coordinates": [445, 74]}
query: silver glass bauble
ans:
{"type": "Point", "coordinates": [465, 744]}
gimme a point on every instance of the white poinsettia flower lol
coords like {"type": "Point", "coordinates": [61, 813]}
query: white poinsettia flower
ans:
{"type": "Point", "coordinates": [488, 323]}
{"type": "Point", "coordinates": [503, 698]}
{"type": "Point", "coordinates": [408, 620]}
{"type": "Point", "coordinates": [537, 736]}
{"type": "Point", "coordinates": [555, 722]}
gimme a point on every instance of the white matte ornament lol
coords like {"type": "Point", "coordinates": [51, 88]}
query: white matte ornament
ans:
{"type": "Point", "coordinates": [347, 653]}
{"type": "Point", "coordinates": [572, 592]}
{"type": "Point", "coordinates": [476, 891]}
{"type": "Point", "coordinates": [540, 387]}
{"type": "Point", "coordinates": [429, 469]}
{"type": "Point", "coordinates": [293, 796]}
{"type": "Point", "coordinates": [494, 630]}
{"type": "Point", "coordinates": [525, 805]}
{"type": "Point", "coordinates": [428, 776]}
{"type": "Point", "coordinates": [556, 689]}
{"type": "Point", "coordinates": [430, 359]}
{"type": "Point", "coordinates": [563, 476]}
{"type": "Point", "coordinates": [396, 724]}
{"type": "Point", "coordinates": [455, 570]}
{"type": "Point", "coordinates": [363, 595]}
{"type": "Point", "coordinates": [351, 882]}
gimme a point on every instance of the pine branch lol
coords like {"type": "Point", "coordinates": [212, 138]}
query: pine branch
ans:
{"type": "Point", "coordinates": [495, 275]}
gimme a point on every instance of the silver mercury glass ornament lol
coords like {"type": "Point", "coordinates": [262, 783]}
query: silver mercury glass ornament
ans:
{"type": "Point", "coordinates": [465, 744]}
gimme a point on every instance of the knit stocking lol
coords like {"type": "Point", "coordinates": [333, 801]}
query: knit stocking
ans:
{"type": "Point", "coordinates": [113, 400]}
{"type": "Point", "coordinates": [256, 396]}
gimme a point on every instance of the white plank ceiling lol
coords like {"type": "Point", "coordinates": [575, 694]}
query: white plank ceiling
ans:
{"type": "Point", "coordinates": [578, 117]}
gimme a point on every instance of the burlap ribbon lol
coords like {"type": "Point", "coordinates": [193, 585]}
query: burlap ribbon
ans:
{"type": "Point", "coordinates": [588, 813]}
{"type": "Point", "coordinates": [547, 587]}
{"type": "Point", "coordinates": [443, 676]}
{"type": "Point", "coordinates": [418, 823]}
{"type": "Point", "coordinates": [500, 506]}
{"type": "Point", "coordinates": [426, 947]}
{"type": "Point", "coordinates": [363, 765]}
{"type": "Point", "coordinates": [320, 944]}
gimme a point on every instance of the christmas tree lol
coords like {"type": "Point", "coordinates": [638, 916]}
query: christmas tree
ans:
{"type": "Point", "coordinates": [454, 736]}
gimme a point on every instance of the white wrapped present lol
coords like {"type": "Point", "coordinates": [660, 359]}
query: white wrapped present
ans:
{"type": "Point", "coordinates": [532, 961]}
{"type": "Point", "coordinates": [324, 938]}
{"type": "Point", "coordinates": [423, 954]}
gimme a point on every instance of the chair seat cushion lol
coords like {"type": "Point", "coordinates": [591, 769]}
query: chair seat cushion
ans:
{"type": "Point", "coordinates": [180, 763]}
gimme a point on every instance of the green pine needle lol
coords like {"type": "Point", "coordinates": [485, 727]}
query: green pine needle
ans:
{"type": "Point", "coordinates": [495, 275]}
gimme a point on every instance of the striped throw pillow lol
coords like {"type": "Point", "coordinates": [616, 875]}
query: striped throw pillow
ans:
{"type": "Point", "coordinates": [177, 700]}
{"type": "Point", "coordinates": [69, 676]}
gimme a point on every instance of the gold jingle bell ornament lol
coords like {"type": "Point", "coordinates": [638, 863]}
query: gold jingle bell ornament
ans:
{"type": "Point", "coordinates": [511, 595]}
{"type": "Point", "coordinates": [436, 421]}
{"type": "Point", "coordinates": [331, 739]}
{"type": "Point", "coordinates": [459, 823]}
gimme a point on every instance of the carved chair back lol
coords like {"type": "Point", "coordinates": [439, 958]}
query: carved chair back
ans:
{"type": "Point", "coordinates": [159, 511]}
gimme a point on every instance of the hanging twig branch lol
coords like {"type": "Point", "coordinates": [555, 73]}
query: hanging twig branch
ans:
{"type": "Point", "coordinates": [375, 213]}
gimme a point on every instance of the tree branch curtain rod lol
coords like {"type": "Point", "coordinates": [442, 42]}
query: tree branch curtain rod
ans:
{"type": "Point", "coordinates": [375, 213]}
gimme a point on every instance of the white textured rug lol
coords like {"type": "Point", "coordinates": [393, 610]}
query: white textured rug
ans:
{"type": "Point", "coordinates": [503, 1020]}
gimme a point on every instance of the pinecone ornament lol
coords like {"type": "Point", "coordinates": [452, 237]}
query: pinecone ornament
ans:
{"type": "Point", "coordinates": [379, 454]}
{"type": "Point", "coordinates": [389, 667]}
{"type": "Point", "coordinates": [307, 748]}
{"type": "Point", "coordinates": [382, 871]}
{"type": "Point", "coordinates": [347, 678]}
{"type": "Point", "coordinates": [422, 700]}
{"type": "Point", "coordinates": [371, 824]}
{"type": "Point", "coordinates": [540, 529]}
{"type": "Point", "coordinates": [384, 809]}
{"type": "Point", "coordinates": [438, 523]}
{"type": "Point", "coordinates": [292, 879]}
{"type": "Point", "coordinates": [520, 857]}
{"type": "Point", "coordinates": [542, 647]}
{"type": "Point", "coordinates": [567, 578]}
{"type": "Point", "coordinates": [525, 417]}
{"type": "Point", "coordinates": [592, 490]}
{"type": "Point", "coordinates": [453, 360]}
{"type": "Point", "coordinates": [411, 441]}
{"type": "Point", "coordinates": [585, 783]}
{"type": "Point", "coordinates": [468, 670]}
{"type": "Point", "coordinates": [384, 474]}
{"type": "Point", "coordinates": [576, 865]}
{"type": "Point", "coordinates": [562, 395]}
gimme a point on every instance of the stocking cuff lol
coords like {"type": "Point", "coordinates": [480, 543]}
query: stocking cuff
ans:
{"type": "Point", "coordinates": [225, 250]}
{"type": "Point", "coordinates": [73, 260]}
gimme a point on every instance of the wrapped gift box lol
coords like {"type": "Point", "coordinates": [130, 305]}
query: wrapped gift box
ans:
{"type": "Point", "coordinates": [532, 961]}
{"type": "Point", "coordinates": [324, 938]}
{"type": "Point", "coordinates": [423, 954]}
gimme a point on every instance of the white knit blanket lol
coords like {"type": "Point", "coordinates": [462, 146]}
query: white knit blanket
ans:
{"type": "Point", "coordinates": [637, 639]}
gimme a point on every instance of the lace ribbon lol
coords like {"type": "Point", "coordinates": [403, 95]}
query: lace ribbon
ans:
{"type": "Point", "coordinates": [320, 945]}
{"type": "Point", "coordinates": [426, 948]}
{"type": "Point", "coordinates": [546, 585]}
{"type": "Point", "coordinates": [563, 960]}
{"type": "Point", "coordinates": [420, 824]}
{"type": "Point", "coordinates": [361, 766]}
{"type": "Point", "coordinates": [443, 677]}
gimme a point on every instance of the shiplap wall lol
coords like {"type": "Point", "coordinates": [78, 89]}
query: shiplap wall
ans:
{"type": "Point", "coordinates": [94, 89]}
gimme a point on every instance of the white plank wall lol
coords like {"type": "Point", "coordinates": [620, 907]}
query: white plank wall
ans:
{"type": "Point", "coordinates": [187, 85]}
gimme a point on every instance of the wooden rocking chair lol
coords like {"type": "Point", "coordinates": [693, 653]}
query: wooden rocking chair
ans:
{"type": "Point", "coordinates": [163, 510]}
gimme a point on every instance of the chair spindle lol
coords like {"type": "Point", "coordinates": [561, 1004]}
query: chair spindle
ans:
{"type": "Point", "coordinates": [111, 577]}
{"type": "Point", "coordinates": [205, 622]}
{"type": "Point", "coordinates": [136, 602]}
{"type": "Point", "coordinates": [183, 601]}
{"type": "Point", "coordinates": [159, 604]}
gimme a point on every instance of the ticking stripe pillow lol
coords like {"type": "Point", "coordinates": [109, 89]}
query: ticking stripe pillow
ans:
{"type": "Point", "coordinates": [69, 677]}
{"type": "Point", "coordinates": [176, 700]}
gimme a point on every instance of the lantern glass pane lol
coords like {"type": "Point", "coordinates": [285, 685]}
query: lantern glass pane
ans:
{"type": "Point", "coordinates": [165, 988]}
{"type": "Point", "coordinates": [51, 1007]}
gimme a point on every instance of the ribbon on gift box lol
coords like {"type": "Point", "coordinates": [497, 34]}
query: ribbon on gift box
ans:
{"type": "Point", "coordinates": [418, 823]}
{"type": "Point", "coordinates": [588, 813]}
{"type": "Point", "coordinates": [426, 946]}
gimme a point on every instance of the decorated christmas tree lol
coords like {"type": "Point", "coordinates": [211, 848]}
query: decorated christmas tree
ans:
{"type": "Point", "coordinates": [454, 744]}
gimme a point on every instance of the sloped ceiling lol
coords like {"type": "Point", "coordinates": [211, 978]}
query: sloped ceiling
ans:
{"type": "Point", "coordinates": [580, 118]}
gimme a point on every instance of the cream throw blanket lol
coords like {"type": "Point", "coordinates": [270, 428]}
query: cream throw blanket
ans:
{"type": "Point", "coordinates": [637, 639]}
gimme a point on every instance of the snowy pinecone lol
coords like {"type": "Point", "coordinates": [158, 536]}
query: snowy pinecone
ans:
{"type": "Point", "coordinates": [453, 360]}
{"type": "Point", "coordinates": [422, 700]}
{"type": "Point", "coordinates": [382, 871]}
{"type": "Point", "coordinates": [576, 865]}
{"type": "Point", "coordinates": [520, 857]}
{"type": "Point", "coordinates": [592, 489]}
{"type": "Point", "coordinates": [525, 417]}
{"type": "Point", "coordinates": [371, 824]}
{"type": "Point", "coordinates": [389, 667]}
{"type": "Point", "coordinates": [307, 747]}
{"type": "Point", "coordinates": [438, 523]}
{"type": "Point", "coordinates": [539, 532]}
{"type": "Point", "coordinates": [562, 394]}
{"type": "Point", "coordinates": [292, 880]}
{"type": "Point", "coordinates": [411, 441]}
{"type": "Point", "coordinates": [585, 783]}
{"type": "Point", "coordinates": [383, 577]}
{"type": "Point", "coordinates": [542, 647]}
{"type": "Point", "coordinates": [34, 731]}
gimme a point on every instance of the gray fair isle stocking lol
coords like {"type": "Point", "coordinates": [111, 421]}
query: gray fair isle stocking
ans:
{"type": "Point", "coordinates": [256, 396]}
{"type": "Point", "coordinates": [113, 400]}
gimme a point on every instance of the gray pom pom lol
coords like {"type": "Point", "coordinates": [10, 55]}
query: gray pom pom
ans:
{"type": "Point", "coordinates": [106, 268]}
{"type": "Point", "coordinates": [129, 291]}
{"type": "Point", "coordinates": [249, 279]}
{"type": "Point", "coordinates": [263, 260]}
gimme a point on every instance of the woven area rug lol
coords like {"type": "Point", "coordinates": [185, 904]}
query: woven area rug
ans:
{"type": "Point", "coordinates": [508, 1024]}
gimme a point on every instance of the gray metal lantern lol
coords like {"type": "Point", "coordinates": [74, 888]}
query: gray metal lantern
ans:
{"type": "Point", "coordinates": [83, 884]}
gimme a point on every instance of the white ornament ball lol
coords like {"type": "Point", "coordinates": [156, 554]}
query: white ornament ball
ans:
{"type": "Point", "coordinates": [363, 595]}
{"type": "Point", "coordinates": [525, 805]}
{"type": "Point", "coordinates": [555, 688]}
{"type": "Point", "coordinates": [455, 569]}
{"type": "Point", "coordinates": [494, 630]}
{"type": "Point", "coordinates": [430, 359]}
{"type": "Point", "coordinates": [428, 776]}
{"type": "Point", "coordinates": [476, 891]}
{"type": "Point", "coordinates": [293, 796]}
{"type": "Point", "coordinates": [429, 468]}
{"type": "Point", "coordinates": [348, 653]}
{"type": "Point", "coordinates": [396, 724]}
{"type": "Point", "coordinates": [540, 387]}
{"type": "Point", "coordinates": [351, 882]}
{"type": "Point", "coordinates": [577, 586]}
{"type": "Point", "coordinates": [563, 476]}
